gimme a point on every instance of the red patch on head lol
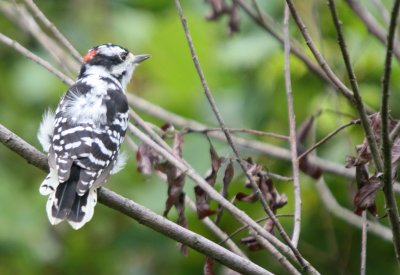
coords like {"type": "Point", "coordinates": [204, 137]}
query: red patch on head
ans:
{"type": "Point", "coordinates": [90, 54]}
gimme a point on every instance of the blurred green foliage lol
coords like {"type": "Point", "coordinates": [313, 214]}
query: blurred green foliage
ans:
{"type": "Point", "coordinates": [245, 73]}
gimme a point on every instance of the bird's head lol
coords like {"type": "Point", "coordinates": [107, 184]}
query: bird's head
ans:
{"type": "Point", "coordinates": [113, 60]}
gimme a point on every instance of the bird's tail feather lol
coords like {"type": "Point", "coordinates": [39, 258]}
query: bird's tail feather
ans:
{"type": "Point", "coordinates": [65, 204]}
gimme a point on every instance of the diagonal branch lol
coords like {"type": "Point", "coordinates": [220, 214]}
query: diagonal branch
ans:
{"type": "Point", "coordinates": [206, 221]}
{"type": "Point", "coordinates": [147, 107]}
{"type": "Point", "coordinates": [327, 137]}
{"type": "Point", "coordinates": [214, 107]}
{"type": "Point", "coordinates": [178, 233]}
{"type": "Point", "coordinates": [268, 24]}
{"type": "Point", "coordinates": [60, 37]}
{"type": "Point", "coordinates": [238, 214]}
{"type": "Point", "coordinates": [215, 110]}
{"type": "Point", "coordinates": [357, 96]}
{"type": "Point", "coordinates": [391, 205]}
{"type": "Point", "coordinates": [22, 50]}
{"type": "Point", "coordinates": [22, 148]}
{"type": "Point", "coordinates": [18, 14]}
{"type": "Point", "coordinates": [318, 56]}
{"type": "Point", "coordinates": [140, 213]}
{"type": "Point", "coordinates": [373, 27]}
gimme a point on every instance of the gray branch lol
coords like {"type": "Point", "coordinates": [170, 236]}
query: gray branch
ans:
{"type": "Point", "coordinates": [140, 213]}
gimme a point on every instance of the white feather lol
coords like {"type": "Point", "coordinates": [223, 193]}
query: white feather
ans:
{"type": "Point", "coordinates": [110, 50]}
{"type": "Point", "coordinates": [50, 183]}
{"type": "Point", "coordinates": [46, 129]}
{"type": "Point", "coordinates": [50, 202]}
{"type": "Point", "coordinates": [88, 209]}
{"type": "Point", "coordinates": [120, 163]}
{"type": "Point", "coordinates": [88, 108]}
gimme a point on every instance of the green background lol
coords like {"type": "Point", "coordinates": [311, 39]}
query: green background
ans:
{"type": "Point", "coordinates": [245, 74]}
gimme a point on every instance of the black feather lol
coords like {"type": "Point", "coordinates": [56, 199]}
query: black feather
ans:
{"type": "Point", "coordinates": [76, 214]}
{"type": "Point", "coordinates": [65, 194]}
{"type": "Point", "coordinates": [117, 103]}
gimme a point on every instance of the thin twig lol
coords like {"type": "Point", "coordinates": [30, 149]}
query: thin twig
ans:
{"type": "Point", "coordinates": [292, 124]}
{"type": "Point", "coordinates": [140, 213]}
{"type": "Point", "coordinates": [327, 137]}
{"type": "Point", "coordinates": [64, 41]}
{"type": "Point", "coordinates": [147, 107]}
{"type": "Point", "coordinates": [382, 10]}
{"type": "Point", "coordinates": [252, 145]}
{"type": "Point", "coordinates": [221, 123]}
{"type": "Point", "coordinates": [152, 133]}
{"type": "Point", "coordinates": [264, 243]}
{"type": "Point", "coordinates": [240, 229]}
{"type": "Point", "coordinates": [240, 215]}
{"type": "Point", "coordinates": [337, 113]}
{"type": "Point", "coordinates": [268, 24]}
{"type": "Point", "coordinates": [217, 231]}
{"type": "Point", "coordinates": [206, 221]}
{"type": "Point", "coordinates": [149, 131]}
{"type": "Point", "coordinates": [178, 233]}
{"type": "Point", "coordinates": [19, 48]}
{"type": "Point", "coordinates": [318, 56]}
{"type": "Point", "coordinates": [279, 177]}
{"type": "Point", "coordinates": [395, 132]}
{"type": "Point", "coordinates": [364, 243]}
{"type": "Point", "coordinates": [20, 15]}
{"type": "Point", "coordinates": [391, 205]}
{"type": "Point", "coordinates": [373, 27]}
{"type": "Point", "coordinates": [236, 130]}
{"type": "Point", "coordinates": [359, 103]}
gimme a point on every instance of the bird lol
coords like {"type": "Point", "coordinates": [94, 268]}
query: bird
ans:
{"type": "Point", "coordinates": [83, 136]}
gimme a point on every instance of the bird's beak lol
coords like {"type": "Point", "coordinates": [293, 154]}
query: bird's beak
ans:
{"type": "Point", "coordinates": [140, 58]}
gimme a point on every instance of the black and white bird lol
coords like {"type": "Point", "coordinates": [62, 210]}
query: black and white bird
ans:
{"type": "Point", "coordinates": [84, 135]}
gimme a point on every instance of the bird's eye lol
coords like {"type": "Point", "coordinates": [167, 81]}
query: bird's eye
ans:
{"type": "Point", "coordinates": [123, 55]}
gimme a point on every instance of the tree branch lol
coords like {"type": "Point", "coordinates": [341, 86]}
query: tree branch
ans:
{"type": "Point", "coordinates": [22, 50]}
{"type": "Point", "coordinates": [22, 148]}
{"type": "Point", "coordinates": [236, 130]}
{"type": "Point", "coordinates": [140, 213]}
{"type": "Point", "coordinates": [357, 96]}
{"type": "Point", "coordinates": [318, 56]}
{"type": "Point", "coordinates": [178, 233]}
{"type": "Point", "coordinates": [147, 107]}
{"type": "Point", "coordinates": [221, 123]}
{"type": "Point", "coordinates": [240, 215]}
{"type": "Point", "coordinates": [206, 221]}
{"type": "Point", "coordinates": [371, 24]}
{"type": "Point", "coordinates": [268, 24]}
{"type": "Point", "coordinates": [60, 37]}
{"type": "Point", "coordinates": [327, 137]}
{"type": "Point", "coordinates": [217, 231]}
{"type": "Point", "coordinates": [391, 205]}
{"type": "Point", "coordinates": [292, 130]}
{"type": "Point", "coordinates": [18, 14]}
